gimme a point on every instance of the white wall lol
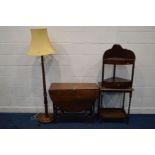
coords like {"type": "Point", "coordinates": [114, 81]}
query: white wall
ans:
{"type": "Point", "coordinates": [78, 59]}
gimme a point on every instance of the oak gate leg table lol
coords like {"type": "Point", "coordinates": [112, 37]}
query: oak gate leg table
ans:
{"type": "Point", "coordinates": [72, 99]}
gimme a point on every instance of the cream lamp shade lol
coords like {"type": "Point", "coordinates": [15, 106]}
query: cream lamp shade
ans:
{"type": "Point", "coordinates": [40, 43]}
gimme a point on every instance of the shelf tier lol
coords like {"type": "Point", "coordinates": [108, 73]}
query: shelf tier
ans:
{"type": "Point", "coordinates": [117, 82]}
{"type": "Point", "coordinates": [128, 89]}
{"type": "Point", "coordinates": [118, 61]}
{"type": "Point", "coordinates": [113, 114]}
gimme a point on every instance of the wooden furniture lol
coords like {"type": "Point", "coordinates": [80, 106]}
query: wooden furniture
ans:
{"type": "Point", "coordinates": [116, 56]}
{"type": "Point", "coordinates": [73, 98]}
{"type": "Point", "coordinates": [41, 46]}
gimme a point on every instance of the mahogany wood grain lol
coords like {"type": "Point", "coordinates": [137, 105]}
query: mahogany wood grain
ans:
{"type": "Point", "coordinates": [73, 97]}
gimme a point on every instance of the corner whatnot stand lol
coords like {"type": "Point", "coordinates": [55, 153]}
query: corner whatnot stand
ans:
{"type": "Point", "coordinates": [116, 56]}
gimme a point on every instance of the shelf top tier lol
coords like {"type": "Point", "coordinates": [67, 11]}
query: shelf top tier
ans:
{"type": "Point", "coordinates": [118, 55]}
{"type": "Point", "coordinates": [119, 61]}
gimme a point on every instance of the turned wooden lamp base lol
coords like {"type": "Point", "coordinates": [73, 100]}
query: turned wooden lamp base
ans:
{"type": "Point", "coordinates": [43, 118]}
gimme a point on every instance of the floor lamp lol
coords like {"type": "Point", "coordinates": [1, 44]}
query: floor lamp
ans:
{"type": "Point", "coordinates": [40, 46]}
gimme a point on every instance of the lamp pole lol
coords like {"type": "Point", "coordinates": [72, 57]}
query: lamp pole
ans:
{"type": "Point", "coordinates": [45, 118]}
{"type": "Point", "coordinates": [44, 86]}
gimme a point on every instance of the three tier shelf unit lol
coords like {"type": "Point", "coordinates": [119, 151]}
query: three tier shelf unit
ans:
{"type": "Point", "coordinates": [116, 56]}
